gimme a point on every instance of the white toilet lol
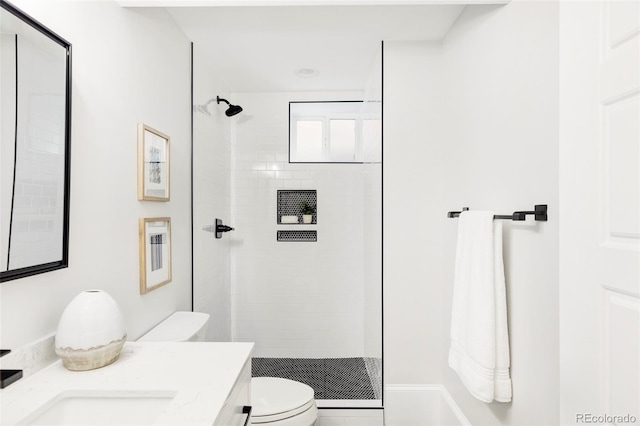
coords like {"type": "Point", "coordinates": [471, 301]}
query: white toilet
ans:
{"type": "Point", "coordinates": [275, 401]}
{"type": "Point", "coordinates": [282, 402]}
{"type": "Point", "coordinates": [179, 327]}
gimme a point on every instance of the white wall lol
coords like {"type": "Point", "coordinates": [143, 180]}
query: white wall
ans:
{"type": "Point", "coordinates": [579, 295]}
{"type": "Point", "coordinates": [211, 200]}
{"type": "Point", "coordinates": [501, 153]}
{"type": "Point", "coordinates": [472, 121]}
{"type": "Point", "coordinates": [129, 66]}
{"type": "Point", "coordinates": [413, 212]}
{"type": "Point", "coordinates": [295, 299]}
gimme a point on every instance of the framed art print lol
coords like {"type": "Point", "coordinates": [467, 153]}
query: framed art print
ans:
{"type": "Point", "coordinates": [153, 164]}
{"type": "Point", "coordinates": [155, 252]}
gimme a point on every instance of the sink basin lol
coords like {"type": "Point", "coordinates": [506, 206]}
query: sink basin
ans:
{"type": "Point", "coordinates": [103, 408]}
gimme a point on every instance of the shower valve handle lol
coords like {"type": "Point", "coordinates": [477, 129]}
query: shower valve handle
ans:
{"type": "Point", "coordinates": [223, 228]}
{"type": "Point", "coordinates": [220, 228]}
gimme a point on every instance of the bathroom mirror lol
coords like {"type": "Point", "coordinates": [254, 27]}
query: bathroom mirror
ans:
{"type": "Point", "coordinates": [35, 126]}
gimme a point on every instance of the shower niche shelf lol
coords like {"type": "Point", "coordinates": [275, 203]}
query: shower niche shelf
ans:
{"type": "Point", "coordinates": [300, 236]}
{"type": "Point", "coordinates": [289, 205]}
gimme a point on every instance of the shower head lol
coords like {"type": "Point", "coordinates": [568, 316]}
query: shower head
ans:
{"type": "Point", "coordinates": [232, 110]}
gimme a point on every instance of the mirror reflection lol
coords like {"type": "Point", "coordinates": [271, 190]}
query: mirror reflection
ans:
{"type": "Point", "coordinates": [34, 145]}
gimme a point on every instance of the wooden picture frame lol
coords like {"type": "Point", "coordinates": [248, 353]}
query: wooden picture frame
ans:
{"type": "Point", "coordinates": [153, 164]}
{"type": "Point", "coordinates": [155, 252]}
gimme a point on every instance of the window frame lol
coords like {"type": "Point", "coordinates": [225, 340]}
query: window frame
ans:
{"type": "Point", "coordinates": [326, 143]}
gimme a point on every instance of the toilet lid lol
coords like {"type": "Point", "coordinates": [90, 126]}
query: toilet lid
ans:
{"type": "Point", "coordinates": [278, 398]}
{"type": "Point", "coordinates": [179, 327]}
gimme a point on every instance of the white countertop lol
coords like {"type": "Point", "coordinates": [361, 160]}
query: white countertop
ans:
{"type": "Point", "coordinates": [200, 374]}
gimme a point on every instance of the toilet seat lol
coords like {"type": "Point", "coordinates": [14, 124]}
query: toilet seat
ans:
{"type": "Point", "coordinates": [275, 399]}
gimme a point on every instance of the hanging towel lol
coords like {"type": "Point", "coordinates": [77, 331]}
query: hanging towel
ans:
{"type": "Point", "coordinates": [479, 350]}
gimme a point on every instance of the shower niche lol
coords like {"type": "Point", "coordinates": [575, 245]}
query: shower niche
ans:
{"type": "Point", "coordinates": [291, 211]}
{"type": "Point", "coordinates": [298, 236]}
{"type": "Point", "coordinates": [290, 206]}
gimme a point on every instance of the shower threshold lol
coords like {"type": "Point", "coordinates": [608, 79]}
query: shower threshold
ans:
{"type": "Point", "coordinates": [349, 403]}
{"type": "Point", "coordinates": [337, 382]}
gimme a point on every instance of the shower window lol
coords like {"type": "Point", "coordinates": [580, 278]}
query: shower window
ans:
{"type": "Point", "coordinates": [309, 131]}
{"type": "Point", "coordinates": [328, 132]}
{"type": "Point", "coordinates": [342, 137]}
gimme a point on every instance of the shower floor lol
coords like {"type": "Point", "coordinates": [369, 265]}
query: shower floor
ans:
{"type": "Point", "coordinates": [330, 378]}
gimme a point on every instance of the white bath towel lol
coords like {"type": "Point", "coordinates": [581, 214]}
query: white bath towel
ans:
{"type": "Point", "coordinates": [479, 350]}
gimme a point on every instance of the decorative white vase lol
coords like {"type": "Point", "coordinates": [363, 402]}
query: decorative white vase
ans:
{"type": "Point", "coordinates": [307, 218]}
{"type": "Point", "coordinates": [91, 331]}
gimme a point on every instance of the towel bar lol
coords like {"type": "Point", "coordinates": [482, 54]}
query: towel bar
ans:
{"type": "Point", "coordinates": [539, 212]}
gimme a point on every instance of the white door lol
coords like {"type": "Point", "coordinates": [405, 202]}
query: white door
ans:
{"type": "Point", "coordinates": [599, 212]}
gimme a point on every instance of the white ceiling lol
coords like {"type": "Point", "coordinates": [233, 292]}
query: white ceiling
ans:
{"type": "Point", "coordinates": [257, 49]}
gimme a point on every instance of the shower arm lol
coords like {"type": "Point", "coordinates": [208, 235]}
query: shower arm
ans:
{"type": "Point", "coordinates": [217, 100]}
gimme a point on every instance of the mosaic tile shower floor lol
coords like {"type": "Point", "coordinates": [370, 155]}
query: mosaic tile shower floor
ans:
{"type": "Point", "coordinates": [330, 378]}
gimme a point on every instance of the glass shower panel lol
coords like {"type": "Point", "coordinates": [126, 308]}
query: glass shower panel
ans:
{"type": "Point", "coordinates": [372, 140]}
{"type": "Point", "coordinates": [313, 308]}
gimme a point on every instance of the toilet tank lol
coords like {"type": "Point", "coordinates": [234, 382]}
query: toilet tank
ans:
{"type": "Point", "coordinates": [179, 327]}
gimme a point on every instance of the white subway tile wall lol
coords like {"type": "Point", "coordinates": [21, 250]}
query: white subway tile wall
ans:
{"type": "Point", "coordinates": [301, 299]}
{"type": "Point", "coordinates": [211, 199]}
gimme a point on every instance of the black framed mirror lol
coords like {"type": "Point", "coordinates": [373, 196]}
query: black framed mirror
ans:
{"type": "Point", "coordinates": [35, 143]}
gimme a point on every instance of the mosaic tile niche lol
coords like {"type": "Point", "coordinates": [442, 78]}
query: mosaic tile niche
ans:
{"type": "Point", "coordinates": [289, 204]}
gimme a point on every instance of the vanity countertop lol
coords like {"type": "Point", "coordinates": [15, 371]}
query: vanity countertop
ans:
{"type": "Point", "coordinates": [200, 374]}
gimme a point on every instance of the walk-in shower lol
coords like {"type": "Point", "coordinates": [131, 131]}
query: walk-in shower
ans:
{"type": "Point", "coordinates": [308, 294]}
